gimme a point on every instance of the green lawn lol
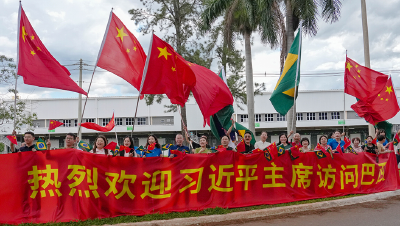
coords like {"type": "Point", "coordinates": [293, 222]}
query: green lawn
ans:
{"type": "Point", "coordinates": [151, 217]}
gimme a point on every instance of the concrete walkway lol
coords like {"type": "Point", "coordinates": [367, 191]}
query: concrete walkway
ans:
{"type": "Point", "coordinates": [254, 214]}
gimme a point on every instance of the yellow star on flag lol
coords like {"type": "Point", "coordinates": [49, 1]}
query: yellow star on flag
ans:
{"type": "Point", "coordinates": [134, 48]}
{"type": "Point", "coordinates": [163, 52]}
{"type": "Point", "coordinates": [33, 53]}
{"type": "Point", "coordinates": [359, 71]}
{"type": "Point", "coordinates": [38, 48]}
{"type": "Point", "coordinates": [23, 33]}
{"type": "Point", "coordinates": [173, 69]}
{"type": "Point", "coordinates": [121, 33]}
{"type": "Point", "coordinates": [356, 65]}
{"type": "Point", "coordinates": [349, 66]}
{"type": "Point", "coordinates": [389, 89]}
{"type": "Point", "coordinates": [32, 37]}
{"type": "Point", "coordinates": [127, 50]}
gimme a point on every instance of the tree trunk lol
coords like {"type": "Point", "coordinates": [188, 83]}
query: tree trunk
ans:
{"type": "Point", "coordinates": [291, 115]}
{"type": "Point", "coordinates": [249, 82]}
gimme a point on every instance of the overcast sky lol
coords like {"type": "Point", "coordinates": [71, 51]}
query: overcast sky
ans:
{"type": "Point", "coordinates": [73, 30]}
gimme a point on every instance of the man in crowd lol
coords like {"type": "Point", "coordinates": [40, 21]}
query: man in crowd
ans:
{"type": "Point", "coordinates": [262, 144]}
{"type": "Point", "coordinates": [29, 138]}
{"type": "Point", "coordinates": [296, 139]}
{"type": "Point", "coordinates": [70, 142]}
{"type": "Point", "coordinates": [335, 142]}
{"type": "Point", "coordinates": [248, 146]}
{"type": "Point", "coordinates": [179, 145]}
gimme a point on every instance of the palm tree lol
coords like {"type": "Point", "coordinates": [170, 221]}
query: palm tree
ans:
{"type": "Point", "coordinates": [306, 11]}
{"type": "Point", "coordinates": [245, 17]}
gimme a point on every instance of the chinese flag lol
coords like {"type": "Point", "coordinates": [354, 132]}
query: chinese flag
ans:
{"type": "Point", "coordinates": [383, 107]}
{"type": "Point", "coordinates": [13, 139]}
{"type": "Point", "coordinates": [347, 143]}
{"type": "Point", "coordinates": [339, 149]}
{"type": "Point", "coordinates": [167, 73]}
{"type": "Point", "coordinates": [320, 148]}
{"type": "Point", "coordinates": [241, 147]}
{"type": "Point", "coordinates": [258, 151]}
{"type": "Point", "coordinates": [54, 124]}
{"type": "Point", "coordinates": [295, 151]}
{"type": "Point", "coordinates": [273, 150]}
{"type": "Point", "coordinates": [94, 126]}
{"type": "Point", "coordinates": [362, 82]}
{"type": "Point", "coordinates": [121, 53]}
{"type": "Point", "coordinates": [36, 65]}
{"type": "Point", "coordinates": [111, 146]}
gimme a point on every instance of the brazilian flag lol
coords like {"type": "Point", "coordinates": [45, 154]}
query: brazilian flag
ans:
{"type": "Point", "coordinates": [166, 147]}
{"type": "Point", "coordinates": [351, 150]}
{"type": "Point", "coordinates": [84, 146]}
{"type": "Point", "coordinates": [140, 150]}
{"type": "Point", "coordinates": [329, 150]}
{"type": "Point", "coordinates": [320, 154]}
{"type": "Point", "coordinates": [283, 96]}
{"type": "Point", "coordinates": [268, 156]}
{"type": "Point", "coordinates": [40, 145]}
{"type": "Point", "coordinates": [281, 150]}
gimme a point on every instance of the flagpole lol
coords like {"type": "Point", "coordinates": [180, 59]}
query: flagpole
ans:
{"type": "Point", "coordinates": [16, 73]}
{"type": "Point", "coordinates": [115, 130]}
{"type": "Point", "coordinates": [344, 103]}
{"type": "Point", "coordinates": [94, 70]}
{"type": "Point", "coordinates": [143, 78]}
{"type": "Point", "coordinates": [295, 82]}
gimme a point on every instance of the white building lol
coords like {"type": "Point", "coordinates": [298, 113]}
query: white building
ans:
{"type": "Point", "coordinates": [318, 112]}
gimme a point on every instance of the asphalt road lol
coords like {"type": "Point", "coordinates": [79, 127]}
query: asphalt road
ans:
{"type": "Point", "coordinates": [382, 212]}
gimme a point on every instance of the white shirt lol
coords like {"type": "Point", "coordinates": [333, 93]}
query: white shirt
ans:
{"type": "Point", "coordinates": [261, 145]}
{"type": "Point", "coordinates": [101, 152]}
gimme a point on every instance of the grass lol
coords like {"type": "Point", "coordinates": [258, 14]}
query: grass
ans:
{"type": "Point", "coordinates": [211, 211]}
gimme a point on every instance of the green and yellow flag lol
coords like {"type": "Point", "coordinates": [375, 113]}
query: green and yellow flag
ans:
{"type": "Point", "coordinates": [283, 96]}
{"type": "Point", "coordinates": [40, 145]}
{"type": "Point", "coordinates": [85, 146]}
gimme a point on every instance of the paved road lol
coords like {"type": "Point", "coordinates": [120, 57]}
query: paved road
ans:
{"type": "Point", "coordinates": [382, 212]}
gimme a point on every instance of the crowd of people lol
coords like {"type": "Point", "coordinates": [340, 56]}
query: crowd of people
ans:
{"type": "Point", "coordinates": [153, 148]}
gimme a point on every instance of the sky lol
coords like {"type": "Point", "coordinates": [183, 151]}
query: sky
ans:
{"type": "Point", "coordinates": [73, 30]}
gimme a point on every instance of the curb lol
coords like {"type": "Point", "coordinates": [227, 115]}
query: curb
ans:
{"type": "Point", "coordinates": [267, 212]}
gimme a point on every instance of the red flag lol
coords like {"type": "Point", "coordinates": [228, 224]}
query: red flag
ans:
{"type": "Point", "coordinates": [374, 141]}
{"type": "Point", "coordinates": [273, 150]}
{"type": "Point", "coordinates": [167, 73]}
{"type": "Point", "coordinates": [111, 146]}
{"type": "Point", "coordinates": [320, 148]}
{"type": "Point", "coordinates": [339, 149]}
{"type": "Point", "coordinates": [258, 150]}
{"type": "Point", "coordinates": [383, 107]}
{"type": "Point", "coordinates": [295, 151]}
{"type": "Point", "coordinates": [347, 143]}
{"type": "Point", "coordinates": [94, 126]}
{"type": "Point", "coordinates": [124, 148]}
{"type": "Point", "coordinates": [241, 147]}
{"type": "Point", "coordinates": [13, 139]}
{"type": "Point", "coordinates": [391, 146]}
{"type": "Point", "coordinates": [210, 96]}
{"type": "Point", "coordinates": [54, 124]}
{"type": "Point", "coordinates": [36, 65]}
{"type": "Point", "coordinates": [121, 53]}
{"type": "Point", "coordinates": [178, 153]}
{"type": "Point", "coordinates": [151, 147]}
{"type": "Point", "coordinates": [362, 82]}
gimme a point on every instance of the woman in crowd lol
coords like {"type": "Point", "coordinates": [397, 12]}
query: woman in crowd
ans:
{"type": "Point", "coordinates": [323, 141]}
{"type": "Point", "coordinates": [203, 146]}
{"type": "Point", "coordinates": [98, 147]}
{"type": "Point", "coordinates": [153, 147]}
{"type": "Point", "coordinates": [283, 141]}
{"type": "Point", "coordinates": [128, 143]}
{"type": "Point", "coordinates": [225, 143]}
{"type": "Point", "coordinates": [356, 144]}
{"type": "Point", "coordinates": [381, 132]}
{"type": "Point", "coordinates": [369, 147]}
{"type": "Point", "coordinates": [304, 145]}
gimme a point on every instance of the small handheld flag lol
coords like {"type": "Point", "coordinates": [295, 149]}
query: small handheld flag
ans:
{"type": "Point", "coordinates": [84, 146]}
{"type": "Point", "coordinates": [111, 146]}
{"type": "Point", "coordinates": [351, 150]}
{"type": "Point", "coordinates": [40, 145]}
{"type": "Point", "coordinates": [281, 151]}
{"type": "Point", "coordinates": [54, 124]}
{"type": "Point", "coordinates": [396, 139]}
{"type": "Point", "coordinates": [13, 139]}
{"type": "Point", "coordinates": [320, 154]}
{"type": "Point", "coordinates": [294, 152]}
{"type": "Point", "coordinates": [329, 150]}
{"type": "Point", "coordinates": [166, 147]}
{"type": "Point", "coordinates": [140, 150]}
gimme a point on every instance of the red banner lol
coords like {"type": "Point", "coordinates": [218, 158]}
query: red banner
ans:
{"type": "Point", "coordinates": [68, 185]}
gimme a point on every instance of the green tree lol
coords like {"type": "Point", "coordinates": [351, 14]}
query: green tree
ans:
{"type": "Point", "coordinates": [8, 113]}
{"type": "Point", "coordinates": [306, 11]}
{"type": "Point", "coordinates": [246, 17]}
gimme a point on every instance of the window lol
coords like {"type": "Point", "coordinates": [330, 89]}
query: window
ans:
{"type": "Point", "coordinates": [162, 121]}
{"type": "Point", "coordinates": [323, 116]}
{"type": "Point", "coordinates": [280, 117]}
{"type": "Point", "coordinates": [269, 117]}
{"type": "Point", "coordinates": [76, 122]}
{"type": "Point", "coordinates": [141, 121]}
{"type": "Point", "coordinates": [106, 121]}
{"type": "Point", "coordinates": [118, 121]}
{"type": "Point", "coordinates": [89, 120]}
{"type": "Point", "coordinates": [257, 117]}
{"type": "Point", "coordinates": [299, 116]}
{"type": "Point", "coordinates": [244, 118]}
{"type": "Point", "coordinates": [335, 115]}
{"type": "Point", "coordinates": [67, 122]}
{"type": "Point", "coordinates": [129, 121]}
{"type": "Point", "coordinates": [310, 116]}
